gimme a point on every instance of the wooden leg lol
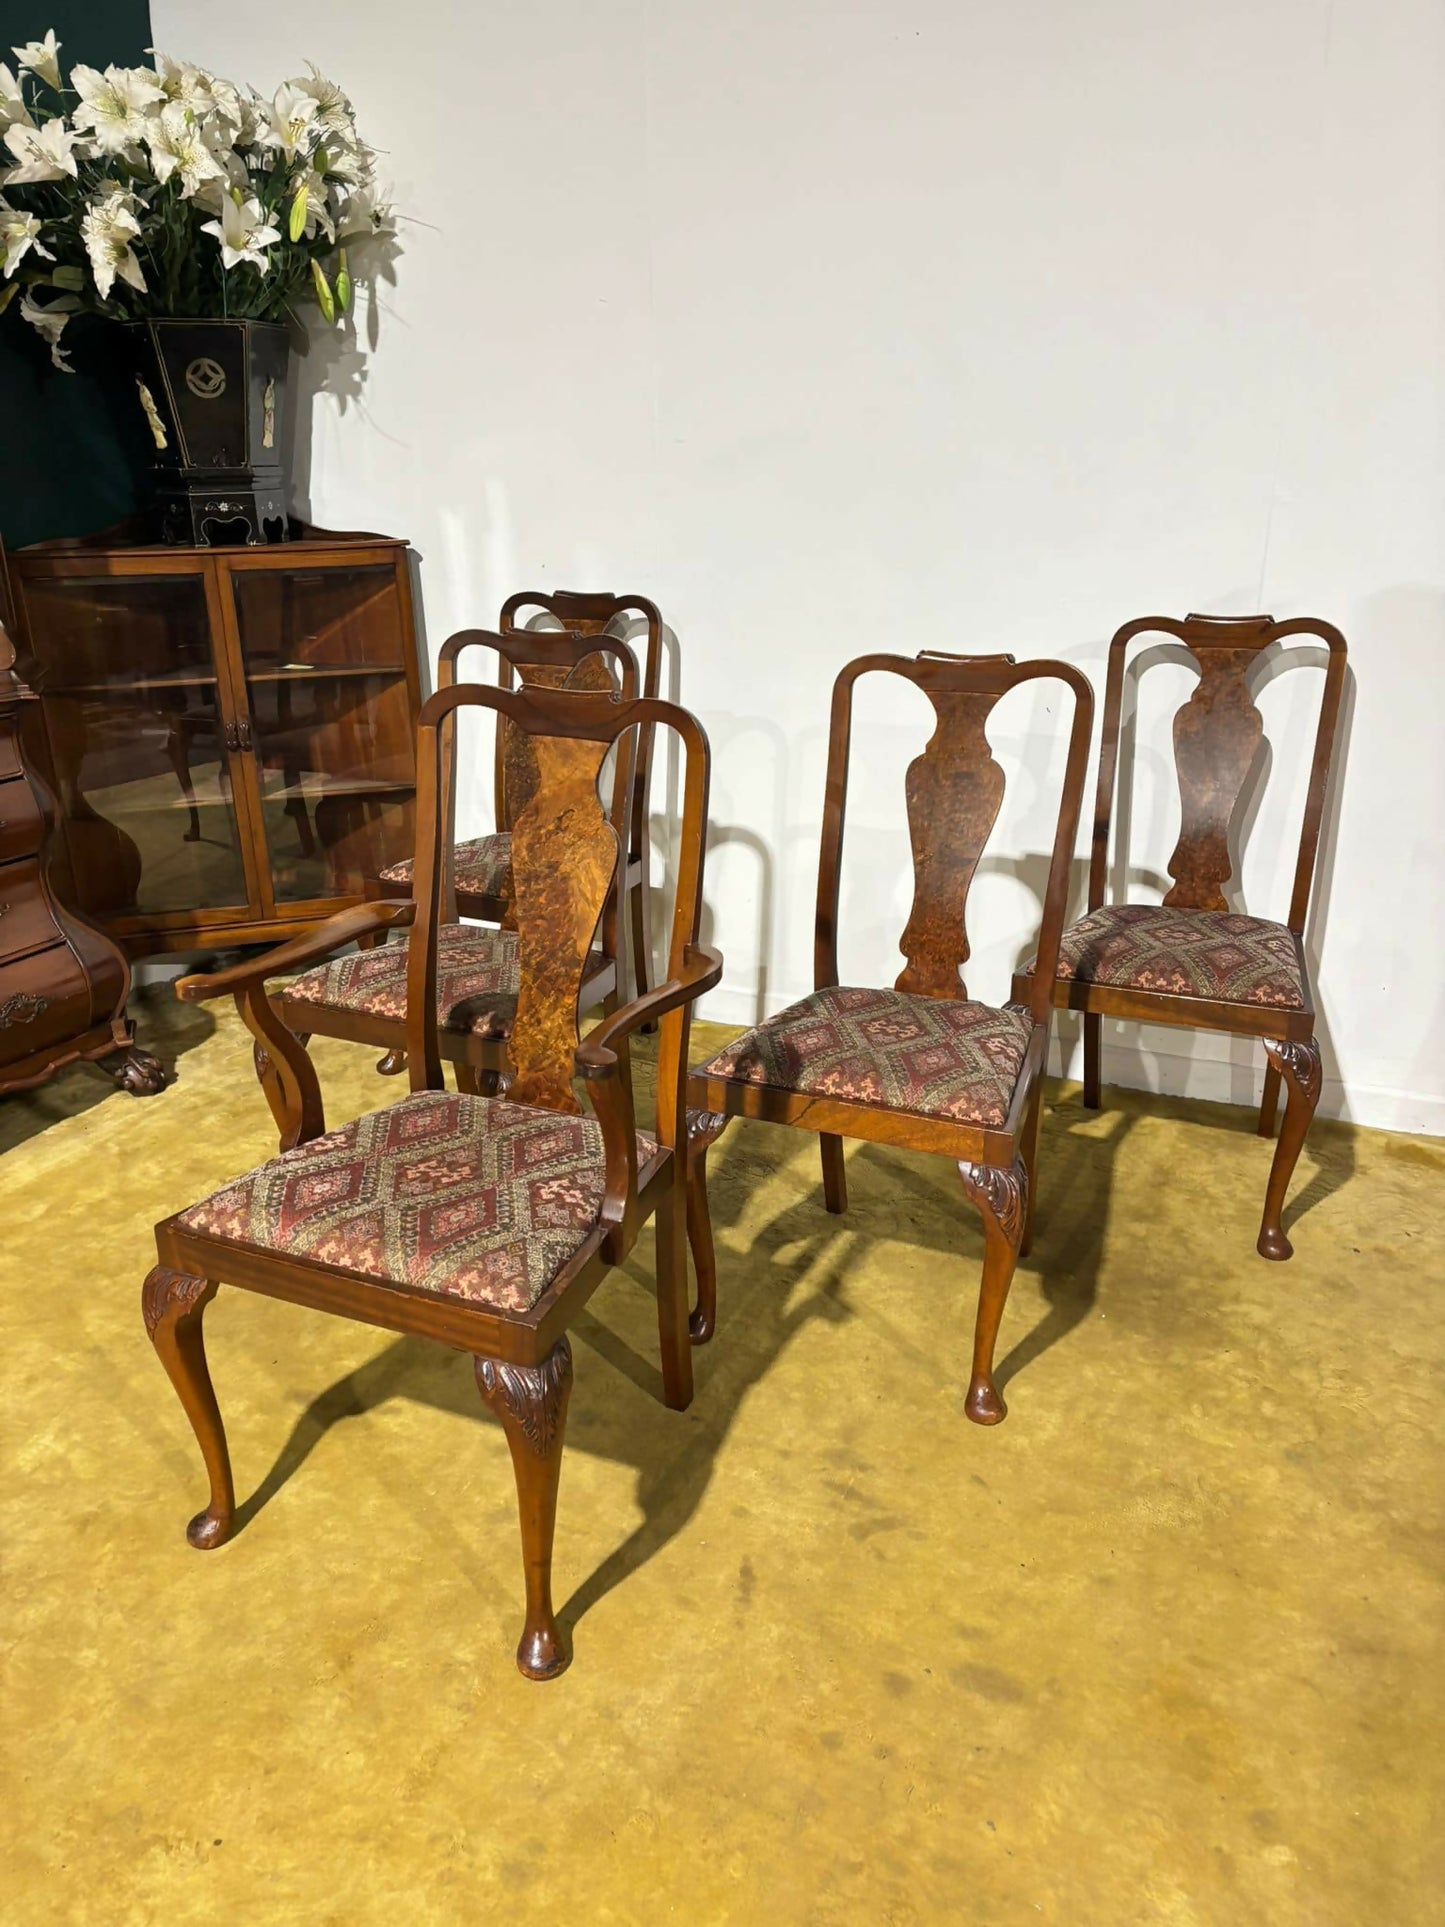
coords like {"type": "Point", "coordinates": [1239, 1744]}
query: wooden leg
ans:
{"type": "Point", "coordinates": [531, 1402]}
{"type": "Point", "coordinates": [1269, 1099]}
{"type": "Point", "coordinates": [639, 903]}
{"type": "Point", "coordinates": [1093, 1059]}
{"type": "Point", "coordinates": [1002, 1196]}
{"type": "Point", "coordinates": [672, 1318]}
{"type": "Point", "coordinates": [703, 1321]}
{"type": "Point", "coordinates": [704, 1128]}
{"type": "Point", "coordinates": [1299, 1064]}
{"type": "Point", "coordinates": [173, 1304]}
{"type": "Point", "coordinates": [835, 1182]}
{"type": "Point", "coordinates": [1032, 1126]}
{"type": "Point", "coordinates": [393, 1064]}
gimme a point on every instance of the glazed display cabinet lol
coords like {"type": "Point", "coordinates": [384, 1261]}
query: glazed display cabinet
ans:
{"type": "Point", "coordinates": [230, 732]}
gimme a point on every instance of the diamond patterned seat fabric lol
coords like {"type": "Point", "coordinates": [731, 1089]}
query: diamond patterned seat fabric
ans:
{"type": "Point", "coordinates": [1185, 953]}
{"type": "Point", "coordinates": [929, 1055]}
{"type": "Point", "coordinates": [478, 977]}
{"type": "Point", "coordinates": [482, 867]}
{"type": "Point", "coordinates": [467, 1197]}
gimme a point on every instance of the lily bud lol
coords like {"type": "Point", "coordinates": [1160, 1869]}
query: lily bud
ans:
{"type": "Point", "coordinates": [324, 297]}
{"type": "Point", "coordinates": [343, 284]}
{"type": "Point", "coordinates": [297, 222]}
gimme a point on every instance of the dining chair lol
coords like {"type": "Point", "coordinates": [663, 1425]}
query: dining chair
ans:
{"type": "Point", "coordinates": [482, 863]}
{"type": "Point", "coordinates": [362, 997]}
{"type": "Point", "coordinates": [483, 1222]}
{"type": "Point", "coordinates": [923, 1065]}
{"type": "Point", "coordinates": [1193, 961]}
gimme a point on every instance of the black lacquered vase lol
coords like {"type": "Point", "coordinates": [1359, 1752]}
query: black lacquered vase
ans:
{"type": "Point", "coordinates": [213, 394]}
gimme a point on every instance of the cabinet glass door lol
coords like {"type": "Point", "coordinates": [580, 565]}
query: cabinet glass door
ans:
{"type": "Point", "coordinates": [322, 651]}
{"type": "Point", "coordinates": [133, 718]}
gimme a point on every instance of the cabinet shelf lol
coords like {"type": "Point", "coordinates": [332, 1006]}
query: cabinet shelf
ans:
{"type": "Point", "coordinates": [326, 672]}
{"type": "Point", "coordinates": [129, 686]}
{"type": "Point", "coordinates": [198, 797]}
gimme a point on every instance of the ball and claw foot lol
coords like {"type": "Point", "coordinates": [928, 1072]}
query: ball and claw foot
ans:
{"type": "Point", "coordinates": [983, 1404]}
{"type": "Point", "coordinates": [140, 1074]}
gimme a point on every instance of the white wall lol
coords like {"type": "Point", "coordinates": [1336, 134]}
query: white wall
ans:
{"type": "Point", "coordinates": [844, 325]}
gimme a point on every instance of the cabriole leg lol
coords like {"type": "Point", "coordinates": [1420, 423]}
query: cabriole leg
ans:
{"type": "Point", "coordinates": [531, 1402]}
{"type": "Point", "coordinates": [1269, 1100]}
{"type": "Point", "coordinates": [1001, 1195]}
{"type": "Point", "coordinates": [1299, 1065]}
{"type": "Point", "coordinates": [835, 1182]}
{"type": "Point", "coordinates": [704, 1128]}
{"type": "Point", "coordinates": [173, 1304]}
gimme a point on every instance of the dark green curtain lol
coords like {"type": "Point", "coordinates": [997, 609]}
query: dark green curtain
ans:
{"type": "Point", "coordinates": [69, 447]}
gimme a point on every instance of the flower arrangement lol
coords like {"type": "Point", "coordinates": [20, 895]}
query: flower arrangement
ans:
{"type": "Point", "coordinates": [166, 191]}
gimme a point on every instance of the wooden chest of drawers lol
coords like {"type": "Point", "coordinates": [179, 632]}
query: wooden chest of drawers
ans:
{"type": "Point", "coordinates": [63, 984]}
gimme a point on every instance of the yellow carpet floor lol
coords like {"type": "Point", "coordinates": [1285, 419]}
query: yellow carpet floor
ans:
{"type": "Point", "coordinates": [1163, 1647]}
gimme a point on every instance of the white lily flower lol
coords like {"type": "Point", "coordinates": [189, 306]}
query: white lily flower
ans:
{"type": "Point", "coordinates": [363, 214]}
{"type": "Point", "coordinates": [333, 109]}
{"type": "Point", "coordinates": [19, 233]}
{"type": "Point", "coordinates": [42, 57]}
{"type": "Point", "coordinates": [179, 80]}
{"type": "Point", "coordinates": [13, 111]}
{"type": "Point", "coordinates": [178, 145]}
{"type": "Point", "coordinates": [51, 323]}
{"type": "Point", "coordinates": [244, 233]}
{"type": "Point", "coordinates": [114, 105]}
{"type": "Point", "coordinates": [291, 121]}
{"type": "Point", "coordinates": [108, 228]}
{"type": "Point", "coordinates": [44, 153]}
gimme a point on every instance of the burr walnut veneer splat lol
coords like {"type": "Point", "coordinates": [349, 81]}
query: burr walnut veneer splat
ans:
{"type": "Point", "coordinates": [1191, 961]}
{"type": "Point", "coordinates": [480, 1220]}
{"type": "Point", "coordinates": [922, 1065]}
{"type": "Point", "coordinates": [592, 626]}
{"type": "Point", "coordinates": [363, 998]}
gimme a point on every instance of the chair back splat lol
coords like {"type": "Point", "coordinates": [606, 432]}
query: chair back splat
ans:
{"type": "Point", "coordinates": [1217, 736]}
{"type": "Point", "coordinates": [539, 659]}
{"type": "Point", "coordinates": [954, 792]}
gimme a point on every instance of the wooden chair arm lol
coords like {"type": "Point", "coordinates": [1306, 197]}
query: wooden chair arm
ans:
{"type": "Point", "coordinates": [702, 969]}
{"type": "Point", "coordinates": [314, 945]}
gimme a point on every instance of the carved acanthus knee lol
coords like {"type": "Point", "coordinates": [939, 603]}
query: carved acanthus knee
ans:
{"type": "Point", "coordinates": [999, 1190]}
{"type": "Point", "coordinates": [1298, 1062]}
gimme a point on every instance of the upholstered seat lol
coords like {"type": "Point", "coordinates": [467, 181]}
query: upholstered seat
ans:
{"type": "Point", "coordinates": [467, 1197]}
{"type": "Point", "coordinates": [478, 975]}
{"type": "Point", "coordinates": [1185, 953]}
{"type": "Point", "coordinates": [929, 1055]}
{"type": "Point", "coordinates": [482, 866]}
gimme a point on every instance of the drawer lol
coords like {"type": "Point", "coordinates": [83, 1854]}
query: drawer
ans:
{"type": "Point", "coordinates": [22, 827]}
{"type": "Point", "coordinates": [26, 920]}
{"type": "Point", "coordinates": [44, 999]}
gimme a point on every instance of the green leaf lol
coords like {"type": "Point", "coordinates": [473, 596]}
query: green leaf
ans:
{"type": "Point", "coordinates": [8, 294]}
{"type": "Point", "coordinates": [324, 297]}
{"type": "Point", "coordinates": [297, 222]}
{"type": "Point", "coordinates": [72, 278]}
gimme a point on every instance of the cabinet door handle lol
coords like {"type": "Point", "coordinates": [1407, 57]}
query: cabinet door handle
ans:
{"type": "Point", "coordinates": [243, 730]}
{"type": "Point", "coordinates": [233, 736]}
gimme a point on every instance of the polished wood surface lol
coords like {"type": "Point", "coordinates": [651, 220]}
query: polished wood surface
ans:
{"type": "Point", "coordinates": [229, 731]}
{"type": "Point", "coordinates": [1217, 734]}
{"type": "Point", "coordinates": [953, 792]}
{"type": "Point", "coordinates": [63, 984]}
{"type": "Point", "coordinates": [523, 1361]}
